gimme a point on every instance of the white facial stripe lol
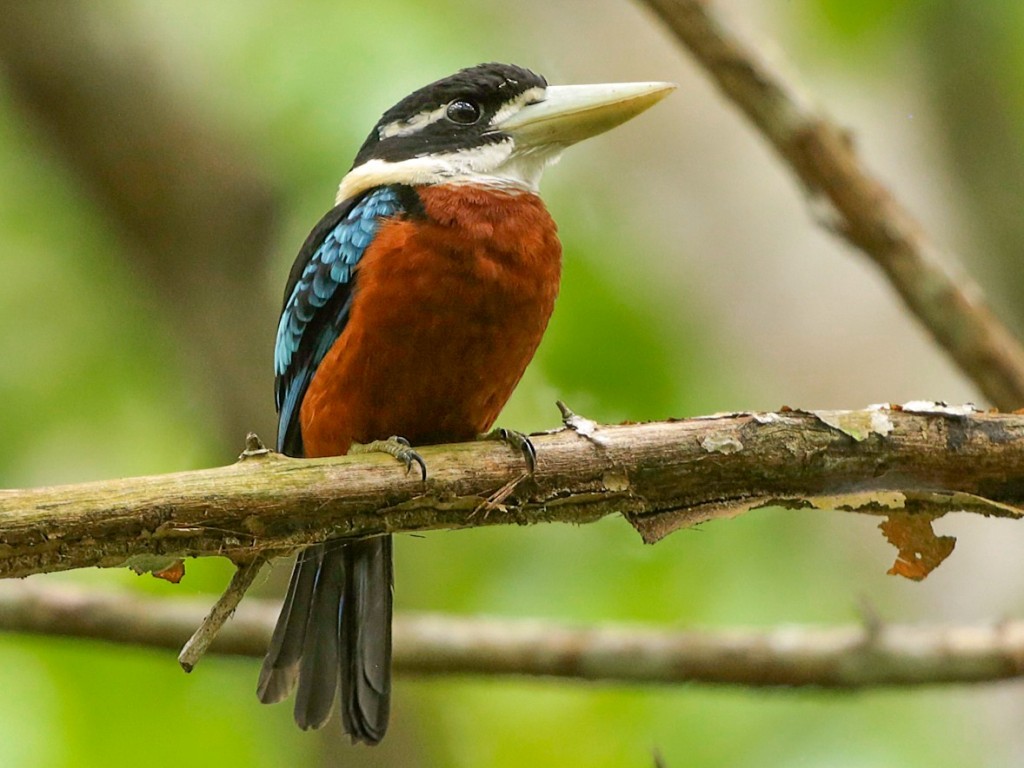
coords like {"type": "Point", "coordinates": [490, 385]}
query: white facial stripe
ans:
{"type": "Point", "coordinates": [413, 125]}
{"type": "Point", "coordinates": [526, 97]}
{"type": "Point", "coordinates": [491, 165]}
{"type": "Point", "coordinates": [418, 122]}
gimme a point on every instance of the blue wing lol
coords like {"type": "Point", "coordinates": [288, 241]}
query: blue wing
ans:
{"type": "Point", "coordinates": [318, 298]}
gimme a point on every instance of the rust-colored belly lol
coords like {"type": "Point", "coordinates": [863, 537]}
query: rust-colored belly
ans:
{"type": "Point", "coordinates": [447, 314]}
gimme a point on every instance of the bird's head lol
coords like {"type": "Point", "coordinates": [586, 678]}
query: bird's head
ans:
{"type": "Point", "coordinates": [493, 124]}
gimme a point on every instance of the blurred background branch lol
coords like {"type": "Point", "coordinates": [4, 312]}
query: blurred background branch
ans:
{"type": "Point", "coordinates": [662, 476]}
{"type": "Point", "coordinates": [986, 152]}
{"type": "Point", "coordinates": [860, 208]}
{"type": "Point", "coordinates": [196, 213]}
{"type": "Point", "coordinates": [848, 658]}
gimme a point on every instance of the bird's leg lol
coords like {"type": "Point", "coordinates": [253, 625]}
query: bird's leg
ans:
{"type": "Point", "coordinates": [394, 446]}
{"type": "Point", "coordinates": [515, 440]}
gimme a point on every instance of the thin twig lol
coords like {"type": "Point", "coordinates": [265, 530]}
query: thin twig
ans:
{"type": "Point", "coordinates": [849, 658]}
{"type": "Point", "coordinates": [864, 212]}
{"type": "Point", "coordinates": [221, 611]}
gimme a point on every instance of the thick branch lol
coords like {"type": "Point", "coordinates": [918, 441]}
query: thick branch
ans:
{"type": "Point", "coordinates": [661, 476]}
{"type": "Point", "coordinates": [864, 212]}
{"type": "Point", "coordinates": [843, 657]}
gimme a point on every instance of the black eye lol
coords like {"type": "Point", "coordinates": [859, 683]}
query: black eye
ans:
{"type": "Point", "coordinates": [463, 112]}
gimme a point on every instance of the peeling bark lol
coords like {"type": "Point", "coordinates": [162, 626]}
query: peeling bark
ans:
{"type": "Point", "coordinates": [662, 476]}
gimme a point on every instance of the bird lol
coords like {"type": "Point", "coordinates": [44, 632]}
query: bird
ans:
{"type": "Point", "coordinates": [409, 316]}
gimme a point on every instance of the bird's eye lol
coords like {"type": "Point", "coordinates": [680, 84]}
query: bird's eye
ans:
{"type": "Point", "coordinates": [463, 112]}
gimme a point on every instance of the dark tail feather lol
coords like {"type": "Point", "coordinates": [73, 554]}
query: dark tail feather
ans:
{"type": "Point", "coordinates": [335, 624]}
{"type": "Point", "coordinates": [365, 637]}
{"type": "Point", "coordinates": [281, 665]}
{"type": "Point", "coordinates": [318, 670]}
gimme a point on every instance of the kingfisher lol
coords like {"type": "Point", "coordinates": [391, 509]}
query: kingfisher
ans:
{"type": "Point", "coordinates": [409, 316]}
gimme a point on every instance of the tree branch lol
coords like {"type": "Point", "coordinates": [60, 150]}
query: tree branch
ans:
{"type": "Point", "coordinates": [199, 642]}
{"type": "Point", "coordinates": [863, 211]}
{"type": "Point", "coordinates": [917, 458]}
{"type": "Point", "coordinates": [842, 657]}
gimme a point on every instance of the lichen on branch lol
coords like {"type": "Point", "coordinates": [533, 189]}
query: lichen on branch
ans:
{"type": "Point", "coordinates": [661, 476]}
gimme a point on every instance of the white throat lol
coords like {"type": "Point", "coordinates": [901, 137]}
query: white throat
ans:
{"type": "Point", "coordinates": [497, 165]}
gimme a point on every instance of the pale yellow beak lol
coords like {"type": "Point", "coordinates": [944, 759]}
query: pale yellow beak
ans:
{"type": "Point", "coordinates": [572, 113]}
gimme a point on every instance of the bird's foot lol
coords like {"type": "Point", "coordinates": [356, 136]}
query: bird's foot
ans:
{"type": "Point", "coordinates": [515, 440]}
{"type": "Point", "coordinates": [394, 446]}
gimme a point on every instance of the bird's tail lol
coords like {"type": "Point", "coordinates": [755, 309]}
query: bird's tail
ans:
{"type": "Point", "coordinates": [335, 625]}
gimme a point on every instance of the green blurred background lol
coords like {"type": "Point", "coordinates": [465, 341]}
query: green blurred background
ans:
{"type": "Point", "coordinates": [161, 163]}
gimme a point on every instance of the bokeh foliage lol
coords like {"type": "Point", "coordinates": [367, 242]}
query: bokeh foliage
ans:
{"type": "Point", "coordinates": [95, 384]}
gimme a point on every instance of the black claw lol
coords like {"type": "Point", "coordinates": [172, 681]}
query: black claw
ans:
{"type": "Point", "coordinates": [409, 456]}
{"type": "Point", "coordinates": [525, 446]}
{"type": "Point", "coordinates": [515, 440]}
{"type": "Point", "coordinates": [399, 448]}
{"type": "Point", "coordinates": [529, 453]}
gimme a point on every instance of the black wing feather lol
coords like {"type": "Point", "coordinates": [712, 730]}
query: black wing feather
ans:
{"type": "Point", "coordinates": [335, 623]}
